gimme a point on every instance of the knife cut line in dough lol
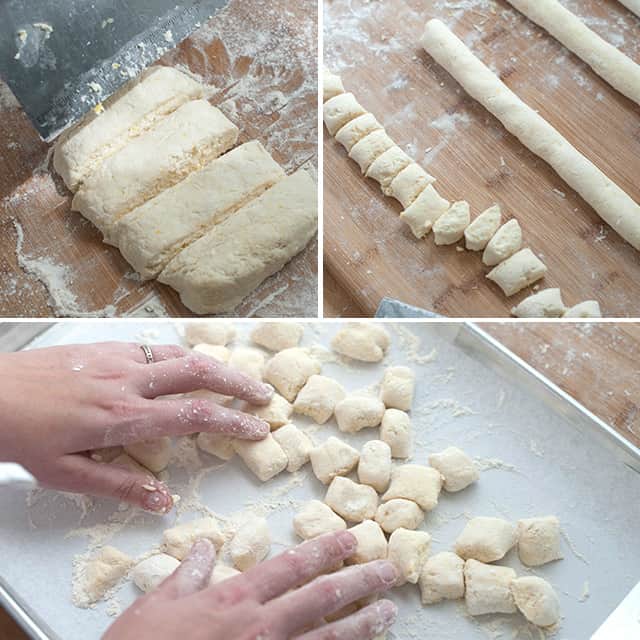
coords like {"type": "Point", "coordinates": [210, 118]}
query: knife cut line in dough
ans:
{"type": "Point", "coordinates": [609, 63]}
{"type": "Point", "coordinates": [358, 128]}
{"type": "Point", "coordinates": [613, 205]}
{"type": "Point", "coordinates": [370, 148]}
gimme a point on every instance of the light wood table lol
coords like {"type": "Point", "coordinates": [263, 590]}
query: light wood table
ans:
{"type": "Point", "coordinates": [52, 261]}
{"type": "Point", "coordinates": [371, 253]}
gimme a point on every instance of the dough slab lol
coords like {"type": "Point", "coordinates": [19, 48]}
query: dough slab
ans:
{"type": "Point", "coordinates": [613, 205]}
{"type": "Point", "coordinates": [180, 144]}
{"type": "Point", "coordinates": [217, 271]}
{"type": "Point", "coordinates": [151, 235]}
{"type": "Point", "coordinates": [609, 63]}
{"type": "Point", "coordinates": [136, 109]}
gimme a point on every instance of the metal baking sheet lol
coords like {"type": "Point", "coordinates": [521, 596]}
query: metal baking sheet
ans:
{"type": "Point", "coordinates": [541, 452]}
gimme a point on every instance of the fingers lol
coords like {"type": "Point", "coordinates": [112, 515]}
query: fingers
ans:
{"type": "Point", "coordinates": [197, 371]}
{"type": "Point", "coordinates": [79, 474]}
{"type": "Point", "coordinates": [296, 566]}
{"type": "Point", "coordinates": [132, 350]}
{"type": "Point", "coordinates": [325, 595]}
{"type": "Point", "coordinates": [194, 572]}
{"type": "Point", "coordinates": [366, 624]}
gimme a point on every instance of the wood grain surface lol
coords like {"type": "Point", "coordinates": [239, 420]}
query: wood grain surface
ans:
{"type": "Point", "coordinates": [371, 253]}
{"type": "Point", "coordinates": [262, 56]}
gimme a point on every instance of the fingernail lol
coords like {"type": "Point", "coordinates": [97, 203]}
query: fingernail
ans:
{"type": "Point", "coordinates": [268, 389]}
{"type": "Point", "coordinates": [388, 573]}
{"type": "Point", "coordinates": [158, 501]}
{"type": "Point", "coordinates": [388, 612]}
{"type": "Point", "coordinates": [347, 541]}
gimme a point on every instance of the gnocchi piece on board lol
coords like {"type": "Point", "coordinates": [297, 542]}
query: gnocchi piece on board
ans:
{"type": "Point", "coordinates": [276, 413]}
{"type": "Point", "coordinates": [395, 430]}
{"type": "Point", "coordinates": [339, 110]}
{"type": "Point", "coordinates": [315, 519]}
{"type": "Point", "coordinates": [486, 539]}
{"type": "Point", "coordinates": [358, 411]}
{"type": "Point", "coordinates": [318, 398]}
{"type": "Point", "coordinates": [352, 501]}
{"type": "Point", "coordinates": [456, 467]}
{"type": "Point", "coordinates": [488, 588]}
{"type": "Point", "coordinates": [506, 241]}
{"type": "Point", "coordinates": [543, 304]}
{"type": "Point", "coordinates": [450, 226]}
{"type": "Point", "coordinates": [333, 458]}
{"type": "Point", "coordinates": [217, 351]}
{"type": "Point", "coordinates": [177, 541]}
{"type": "Point", "coordinates": [483, 228]}
{"type": "Point", "coordinates": [399, 513]}
{"type": "Point", "coordinates": [442, 578]}
{"type": "Point", "coordinates": [296, 444]}
{"type": "Point", "coordinates": [211, 332]}
{"type": "Point", "coordinates": [150, 572]}
{"type": "Point", "coordinates": [264, 458]}
{"type": "Point", "coordinates": [331, 85]}
{"type": "Point", "coordinates": [587, 309]}
{"type": "Point", "coordinates": [366, 342]}
{"type": "Point", "coordinates": [539, 540]}
{"type": "Point", "coordinates": [374, 467]}
{"type": "Point", "coordinates": [277, 336]}
{"type": "Point", "coordinates": [248, 361]}
{"type": "Point", "coordinates": [372, 545]}
{"type": "Point", "coordinates": [398, 385]}
{"type": "Point", "coordinates": [424, 211]}
{"type": "Point", "coordinates": [151, 454]}
{"type": "Point", "coordinates": [415, 482]}
{"type": "Point", "coordinates": [216, 445]}
{"type": "Point", "coordinates": [409, 184]}
{"type": "Point", "coordinates": [536, 600]}
{"type": "Point", "coordinates": [289, 370]}
{"type": "Point", "coordinates": [409, 551]}
{"type": "Point", "coordinates": [102, 573]}
{"type": "Point", "coordinates": [250, 544]}
{"type": "Point", "coordinates": [358, 128]}
{"type": "Point", "coordinates": [517, 272]}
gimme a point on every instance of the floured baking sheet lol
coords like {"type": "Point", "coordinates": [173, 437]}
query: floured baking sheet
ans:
{"type": "Point", "coordinates": [540, 453]}
{"type": "Point", "coordinates": [259, 58]}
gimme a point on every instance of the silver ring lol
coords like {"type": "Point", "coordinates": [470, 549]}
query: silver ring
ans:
{"type": "Point", "coordinates": [148, 354]}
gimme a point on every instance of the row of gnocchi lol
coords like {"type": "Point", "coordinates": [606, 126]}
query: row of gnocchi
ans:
{"type": "Point", "coordinates": [425, 210]}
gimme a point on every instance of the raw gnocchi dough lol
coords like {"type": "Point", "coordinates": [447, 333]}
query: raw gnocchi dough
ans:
{"type": "Point", "coordinates": [264, 458]}
{"type": "Point", "coordinates": [517, 272]}
{"type": "Point", "coordinates": [316, 519]}
{"type": "Point", "coordinates": [331, 85]}
{"type": "Point", "coordinates": [409, 184]}
{"type": "Point", "coordinates": [387, 166]}
{"type": "Point", "coordinates": [483, 228]}
{"type": "Point", "coordinates": [488, 588]}
{"type": "Point", "coordinates": [486, 539]}
{"type": "Point", "coordinates": [544, 304]}
{"type": "Point", "coordinates": [397, 388]}
{"type": "Point", "coordinates": [333, 458]}
{"type": "Point", "coordinates": [216, 445]}
{"type": "Point", "coordinates": [150, 572]}
{"type": "Point", "coordinates": [318, 398]}
{"type": "Point", "coordinates": [399, 514]}
{"type": "Point", "coordinates": [417, 483]}
{"type": "Point", "coordinates": [373, 145]}
{"type": "Point", "coordinates": [358, 128]}
{"type": "Point", "coordinates": [289, 370]}
{"type": "Point", "coordinates": [374, 467]}
{"type": "Point", "coordinates": [151, 454]}
{"type": "Point", "coordinates": [395, 430]}
{"type": "Point", "coordinates": [537, 600]}
{"type": "Point", "coordinates": [359, 411]}
{"type": "Point", "coordinates": [352, 501]}
{"type": "Point", "coordinates": [102, 573]}
{"type": "Point", "coordinates": [539, 540]}
{"type": "Point", "coordinates": [250, 544]}
{"type": "Point", "coordinates": [339, 110]}
{"type": "Point", "coordinates": [456, 467]}
{"type": "Point", "coordinates": [127, 462]}
{"type": "Point", "coordinates": [372, 545]}
{"type": "Point", "coordinates": [248, 361]}
{"type": "Point", "coordinates": [366, 342]}
{"type": "Point", "coordinates": [217, 351]}
{"type": "Point", "coordinates": [424, 211]}
{"type": "Point", "coordinates": [277, 336]}
{"type": "Point", "coordinates": [276, 413]}
{"type": "Point", "coordinates": [506, 241]}
{"type": "Point", "coordinates": [450, 226]}
{"type": "Point", "coordinates": [587, 309]}
{"type": "Point", "coordinates": [409, 551]}
{"type": "Point", "coordinates": [442, 578]}
{"type": "Point", "coordinates": [296, 445]}
{"type": "Point", "coordinates": [210, 332]}
{"type": "Point", "coordinates": [178, 540]}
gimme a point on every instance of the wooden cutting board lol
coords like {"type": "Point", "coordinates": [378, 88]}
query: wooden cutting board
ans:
{"type": "Point", "coordinates": [262, 57]}
{"type": "Point", "coordinates": [371, 253]}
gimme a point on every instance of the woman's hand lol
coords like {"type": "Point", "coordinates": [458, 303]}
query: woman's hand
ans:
{"type": "Point", "coordinates": [58, 403]}
{"type": "Point", "coordinates": [269, 601]}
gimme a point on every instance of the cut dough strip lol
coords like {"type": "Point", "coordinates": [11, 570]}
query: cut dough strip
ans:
{"type": "Point", "coordinates": [151, 235]}
{"type": "Point", "coordinates": [609, 63]}
{"type": "Point", "coordinates": [217, 271]}
{"type": "Point", "coordinates": [183, 142]}
{"type": "Point", "coordinates": [130, 112]}
{"type": "Point", "coordinates": [612, 204]}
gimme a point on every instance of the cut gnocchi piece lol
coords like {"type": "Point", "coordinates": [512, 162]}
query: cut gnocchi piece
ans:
{"type": "Point", "coordinates": [450, 226]}
{"type": "Point", "coordinates": [250, 544]}
{"type": "Point", "coordinates": [217, 351]}
{"type": "Point", "coordinates": [414, 482]}
{"type": "Point", "coordinates": [409, 184]}
{"type": "Point", "coordinates": [331, 85]}
{"type": "Point", "coordinates": [374, 467]}
{"type": "Point", "coordinates": [456, 467]}
{"type": "Point", "coordinates": [517, 272]}
{"type": "Point", "coordinates": [543, 304]}
{"type": "Point", "coordinates": [264, 458]}
{"type": "Point", "coordinates": [352, 501]}
{"type": "Point", "coordinates": [150, 572]}
{"type": "Point", "coordinates": [539, 540]}
{"type": "Point", "coordinates": [216, 445]}
{"type": "Point", "coordinates": [409, 551]}
{"type": "Point", "coordinates": [372, 545]}
{"type": "Point", "coordinates": [277, 336]}
{"type": "Point", "coordinates": [486, 539]}
{"type": "Point", "coordinates": [248, 361]}
{"type": "Point", "coordinates": [395, 430]}
{"type": "Point", "coordinates": [369, 148]}
{"type": "Point", "coordinates": [101, 574]}
{"type": "Point", "coordinates": [318, 398]}
{"type": "Point", "coordinates": [587, 309]}
{"type": "Point", "coordinates": [397, 388]}
{"type": "Point", "coordinates": [151, 454]}
{"type": "Point", "coordinates": [333, 458]}
{"type": "Point", "coordinates": [339, 110]}
{"type": "Point", "coordinates": [212, 332]}
{"type": "Point", "coordinates": [506, 241]}
{"type": "Point", "coordinates": [296, 444]}
{"type": "Point", "coordinates": [488, 588]}
{"type": "Point", "coordinates": [126, 461]}
{"type": "Point", "coordinates": [536, 600]}
{"type": "Point", "coordinates": [387, 166]}
{"type": "Point", "coordinates": [365, 342]}
{"type": "Point", "coordinates": [442, 578]}
{"type": "Point", "coordinates": [315, 519]}
{"type": "Point", "coordinates": [178, 540]}
{"type": "Point", "coordinates": [483, 228]}
{"type": "Point", "coordinates": [289, 370]}
{"type": "Point", "coordinates": [399, 514]}
{"type": "Point", "coordinates": [359, 411]}
{"type": "Point", "coordinates": [424, 211]}
{"type": "Point", "coordinates": [276, 413]}
{"type": "Point", "coordinates": [358, 128]}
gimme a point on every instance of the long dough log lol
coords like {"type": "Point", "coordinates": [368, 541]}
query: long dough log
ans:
{"type": "Point", "coordinates": [632, 5]}
{"type": "Point", "coordinates": [612, 204]}
{"type": "Point", "coordinates": [609, 63]}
